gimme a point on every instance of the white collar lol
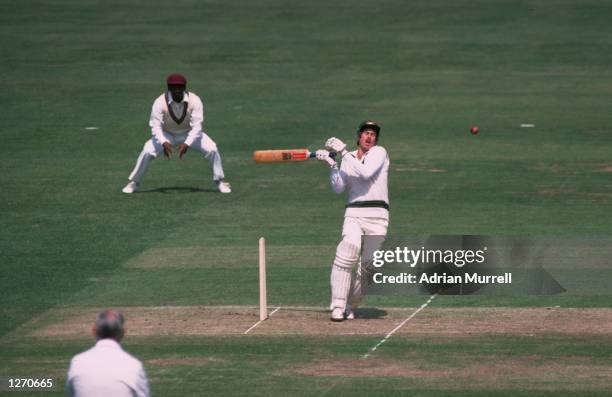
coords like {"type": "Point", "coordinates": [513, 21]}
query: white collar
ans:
{"type": "Point", "coordinates": [185, 97]}
{"type": "Point", "coordinates": [366, 153]}
{"type": "Point", "coordinates": [108, 343]}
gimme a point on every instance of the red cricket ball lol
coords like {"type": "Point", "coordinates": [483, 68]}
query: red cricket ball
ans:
{"type": "Point", "coordinates": [474, 130]}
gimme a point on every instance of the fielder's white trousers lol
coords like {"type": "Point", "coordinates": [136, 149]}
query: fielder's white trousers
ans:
{"type": "Point", "coordinates": [153, 148]}
{"type": "Point", "coordinates": [346, 289]}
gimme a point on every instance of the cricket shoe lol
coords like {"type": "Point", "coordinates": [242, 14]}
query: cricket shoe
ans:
{"type": "Point", "coordinates": [224, 187]}
{"type": "Point", "coordinates": [349, 315]}
{"type": "Point", "coordinates": [131, 187]}
{"type": "Point", "coordinates": [337, 314]}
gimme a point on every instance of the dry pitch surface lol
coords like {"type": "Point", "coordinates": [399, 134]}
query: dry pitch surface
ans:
{"type": "Point", "coordinates": [450, 325]}
{"type": "Point", "coordinates": [75, 322]}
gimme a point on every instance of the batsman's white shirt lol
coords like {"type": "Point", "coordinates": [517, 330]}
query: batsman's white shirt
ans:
{"type": "Point", "coordinates": [106, 370]}
{"type": "Point", "coordinates": [366, 180]}
{"type": "Point", "coordinates": [188, 117]}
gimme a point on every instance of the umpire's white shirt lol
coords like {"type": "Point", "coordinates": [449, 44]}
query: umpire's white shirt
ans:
{"type": "Point", "coordinates": [106, 370]}
{"type": "Point", "coordinates": [366, 179]}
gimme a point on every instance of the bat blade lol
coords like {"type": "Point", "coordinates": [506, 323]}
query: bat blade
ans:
{"type": "Point", "coordinates": [284, 155]}
{"type": "Point", "coordinates": [281, 155]}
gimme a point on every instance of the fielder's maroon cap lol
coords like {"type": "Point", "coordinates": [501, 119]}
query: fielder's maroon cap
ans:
{"type": "Point", "coordinates": [176, 79]}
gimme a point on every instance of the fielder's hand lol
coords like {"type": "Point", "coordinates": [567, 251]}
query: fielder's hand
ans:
{"type": "Point", "coordinates": [167, 149]}
{"type": "Point", "coordinates": [323, 155]}
{"type": "Point", "coordinates": [336, 145]}
{"type": "Point", "coordinates": [182, 150]}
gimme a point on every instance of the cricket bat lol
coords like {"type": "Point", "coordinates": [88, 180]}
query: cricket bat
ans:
{"type": "Point", "coordinates": [284, 155]}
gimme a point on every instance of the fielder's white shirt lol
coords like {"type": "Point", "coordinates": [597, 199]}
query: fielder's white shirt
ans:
{"type": "Point", "coordinates": [106, 370]}
{"type": "Point", "coordinates": [162, 121]}
{"type": "Point", "coordinates": [366, 180]}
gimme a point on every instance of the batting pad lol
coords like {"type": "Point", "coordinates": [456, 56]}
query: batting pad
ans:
{"type": "Point", "coordinates": [347, 255]}
{"type": "Point", "coordinates": [340, 284]}
{"type": "Point", "coordinates": [357, 289]}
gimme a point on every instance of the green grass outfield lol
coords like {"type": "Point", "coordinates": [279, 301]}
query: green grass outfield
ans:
{"type": "Point", "coordinates": [279, 75]}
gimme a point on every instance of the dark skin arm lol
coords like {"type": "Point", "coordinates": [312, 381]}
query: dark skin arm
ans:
{"type": "Point", "coordinates": [182, 150]}
{"type": "Point", "coordinates": [167, 149]}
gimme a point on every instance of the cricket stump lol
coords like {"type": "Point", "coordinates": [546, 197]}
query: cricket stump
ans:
{"type": "Point", "coordinates": [263, 299]}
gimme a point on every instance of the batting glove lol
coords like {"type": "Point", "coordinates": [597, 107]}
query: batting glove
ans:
{"type": "Point", "coordinates": [336, 145]}
{"type": "Point", "coordinates": [323, 155]}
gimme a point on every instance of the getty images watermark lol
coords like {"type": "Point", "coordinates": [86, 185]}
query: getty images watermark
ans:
{"type": "Point", "coordinates": [457, 265]}
{"type": "Point", "coordinates": [452, 257]}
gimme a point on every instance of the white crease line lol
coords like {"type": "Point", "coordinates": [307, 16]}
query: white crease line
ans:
{"type": "Point", "coordinates": [383, 340]}
{"type": "Point", "coordinates": [260, 321]}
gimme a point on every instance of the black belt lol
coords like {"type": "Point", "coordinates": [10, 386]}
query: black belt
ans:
{"type": "Point", "coordinates": [368, 204]}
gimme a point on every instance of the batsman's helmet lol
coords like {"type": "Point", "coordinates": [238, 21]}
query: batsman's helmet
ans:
{"type": "Point", "coordinates": [369, 125]}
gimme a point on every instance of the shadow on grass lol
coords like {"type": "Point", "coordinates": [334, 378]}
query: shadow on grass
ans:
{"type": "Point", "coordinates": [369, 312]}
{"type": "Point", "coordinates": [179, 190]}
{"type": "Point", "coordinates": [361, 312]}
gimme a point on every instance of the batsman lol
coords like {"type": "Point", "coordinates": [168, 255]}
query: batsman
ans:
{"type": "Point", "coordinates": [364, 173]}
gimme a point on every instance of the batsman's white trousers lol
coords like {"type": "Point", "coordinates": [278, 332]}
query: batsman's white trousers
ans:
{"type": "Point", "coordinates": [353, 228]}
{"type": "Point", "coordinates": [153, 148]}
{"type": "Point", "coordinates": [345, 292]}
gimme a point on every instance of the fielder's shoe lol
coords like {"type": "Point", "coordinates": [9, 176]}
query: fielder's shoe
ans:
{"type": "Point", "coordinates": [223, 187]}
{"type": "Point", "coordinates": [131, 187]}
{"type": "Point", "coordinates": [337, 314]}
{"type": "Point", "coordinates": [349, 315]}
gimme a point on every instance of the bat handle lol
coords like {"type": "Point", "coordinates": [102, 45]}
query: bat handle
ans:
{"type": "Point", "coordinates": [314, 154]}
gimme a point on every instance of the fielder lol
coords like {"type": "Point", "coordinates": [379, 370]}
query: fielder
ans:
{"type": "Point", "coordinates": [176, 120]}
{"type": "Point", "coordinates": [364, 172]}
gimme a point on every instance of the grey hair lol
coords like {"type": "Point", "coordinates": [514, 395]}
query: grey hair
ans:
{"type": "Point", "coordinates": [109, 324]}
